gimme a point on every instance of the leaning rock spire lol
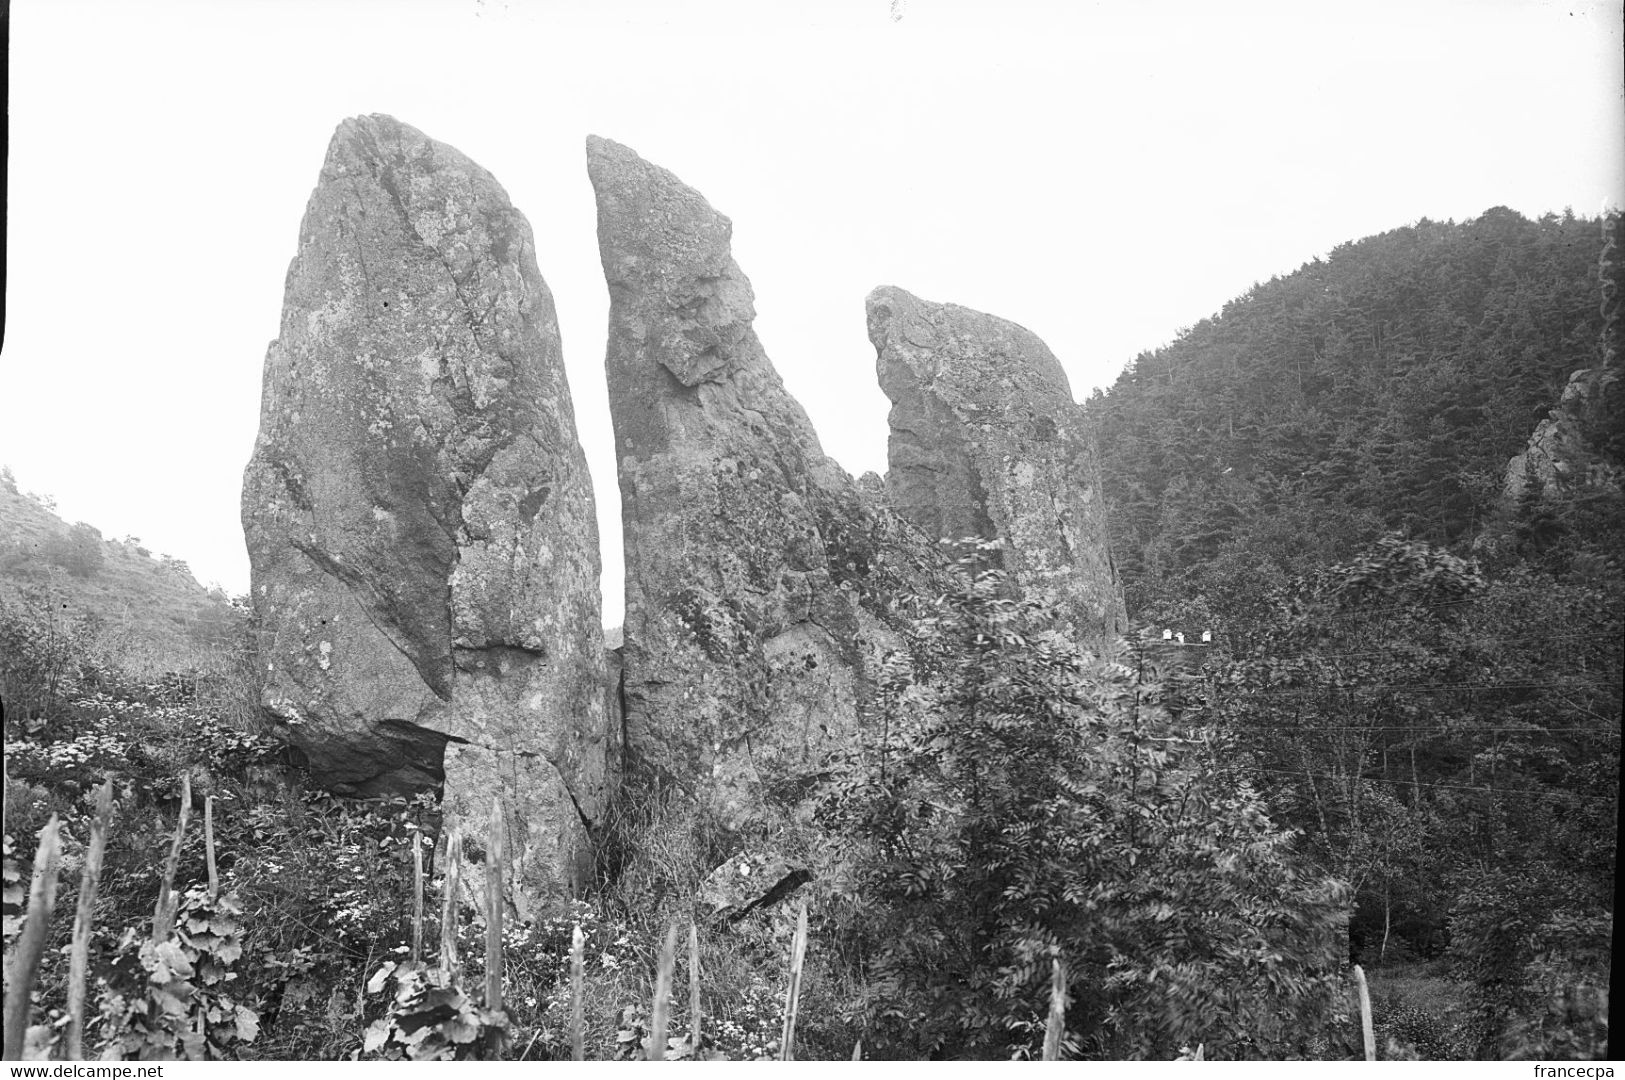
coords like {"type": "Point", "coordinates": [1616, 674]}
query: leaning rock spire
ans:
{"type": "Point", "coordinates": [763, 588]}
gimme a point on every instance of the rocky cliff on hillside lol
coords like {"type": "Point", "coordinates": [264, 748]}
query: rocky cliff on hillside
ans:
{"type": "Point", "coordinates": [986, 441]}
{"type": "Point", "coordinates": [763, 587]}
{"type": "Point", "coordinates": [1561, 454]}
{"type": "Point", "coordinates": [418, 510]}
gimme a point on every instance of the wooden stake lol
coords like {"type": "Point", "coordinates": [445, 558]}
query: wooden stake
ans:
{"type": "Point", "coordinates": [577, 964]}
{"type": "Point", "coordinates": [659, 1008]}
{"type": "Point", "coordinates": [163, 916]}
{"type": "Point", "coordinates": [493, 910]}
{"type": "Point", "coordinates": [494, 855]}
{"type": "Point", "coordinates": [798, 953]}
{"type": "Point", "coordinates": [83, 918]}
{"type": "Point", "coordinates": [1365, 1015]}
{"type": "Point", "coordinates": [1057, 1011]}
{"type": "Point", "coordinates": [31, 945]}
{"type": "Point", "coordinates": [857, 1050]}
{"type": "Point", "coordinates": [448, 904]}
{"type": "Point", "coordinates": [208, 847]}
{"type": "Point", "coordinates": [695, 1013]}
{"type": "Point", "coordinates": [417, 896]}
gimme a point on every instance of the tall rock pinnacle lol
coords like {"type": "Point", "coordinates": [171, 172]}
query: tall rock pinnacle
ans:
{"type": "Point", "coordinates": [986, 441]}
{"type": "Point", "coordinates": [762, 586]}
{"type": "Point", "coordinates": [418, 510]}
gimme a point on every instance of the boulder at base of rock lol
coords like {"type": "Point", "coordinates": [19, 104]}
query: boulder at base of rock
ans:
{"type": "Point", "coordinates": [418, 511]}
{"type": "Point", "coordinates": [762, 587]}
{"type": "Point", "coordinates": [986, 441]}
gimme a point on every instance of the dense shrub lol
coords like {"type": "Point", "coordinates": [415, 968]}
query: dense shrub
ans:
{"type": "Point", "coordinates": [1016, 804]}
{"type": "Point", "coordinates": [1534, 952]}
{"type": "Point", "coordinates": [78, 551]}
{"type": "Point", "coordinates": [45, 652]}
{"type": "Point", "coordinates": [176, 998]}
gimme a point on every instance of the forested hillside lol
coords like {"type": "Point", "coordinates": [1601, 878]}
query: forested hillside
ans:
{"type": "Point", "coordinates": [1417, 659]}
{"type": "Point", "coordinates": [1382, 388]}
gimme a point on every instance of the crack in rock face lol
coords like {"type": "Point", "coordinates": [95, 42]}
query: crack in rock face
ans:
{"type": "Point", "coordinates": [986, 441]}
{"type": "Point", "coordinates": [418, 512]}
{"type": "Point", "coordinates": [763, 586]}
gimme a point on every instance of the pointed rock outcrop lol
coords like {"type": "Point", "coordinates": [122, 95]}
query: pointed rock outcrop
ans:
{"type": "Point", "coordinates": [763, 588]}
{"type": "Point", "coordinates": [418, 510]}
{"type": "Point", "coordinates": [986, 441]}
{"type": "Point", "coordinates": [1562, 453]}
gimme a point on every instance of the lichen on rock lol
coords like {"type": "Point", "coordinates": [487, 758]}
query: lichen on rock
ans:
{"type": "Point", "coordinates": [763, 587]}
{"type": "Point", "coordinates": [418, 511]}
{"type": "Point", "coordinates": [986, 441]}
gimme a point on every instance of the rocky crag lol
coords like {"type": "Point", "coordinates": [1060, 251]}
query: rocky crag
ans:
{"type": "Point", "coordinates": [418, 510]}
{"type": "Point", "coordinates": [986, 441]}
{"type": "Point", "coordinates": [420, 519]}
{"type": "Point", "coordinates": [763, 587]}
{"type": "Point", "coordinates": [1562, 454]}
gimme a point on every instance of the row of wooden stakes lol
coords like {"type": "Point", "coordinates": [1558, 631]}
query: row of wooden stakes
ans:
{"type": "Point", "coordinates": [24, 967]}
{"type": "Point", "coordinates": [659, 1011]}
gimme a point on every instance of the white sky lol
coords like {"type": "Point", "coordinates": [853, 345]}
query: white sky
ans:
{"type": "Point", "coordinates": [1103, 173]}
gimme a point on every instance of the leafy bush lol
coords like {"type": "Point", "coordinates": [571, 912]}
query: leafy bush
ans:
{"type": "Point", "coordinates": [431, 1017]}
{"type": "Point", "coordinates": [173, 999]}
{"type": "Point", "coordinates": [45, 652]}
{"type": "Point", "coordinates": [1016, 804]}
{"type": "Point", "coordinates": [1535, 961]}
{"type": "Point", "coordinates": [79, 551]}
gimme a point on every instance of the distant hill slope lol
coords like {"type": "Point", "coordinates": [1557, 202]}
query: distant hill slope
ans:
{"type": "Point", "coordinates": [151, 614]}
{"type": "Point", "coordinates": [1382, 388]}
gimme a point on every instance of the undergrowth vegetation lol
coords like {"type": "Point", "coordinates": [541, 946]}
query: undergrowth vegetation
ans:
{"type": "Point", "coordinates": [1023, 803]}
{"type": "Point", "coordinates": [1015, 811]}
